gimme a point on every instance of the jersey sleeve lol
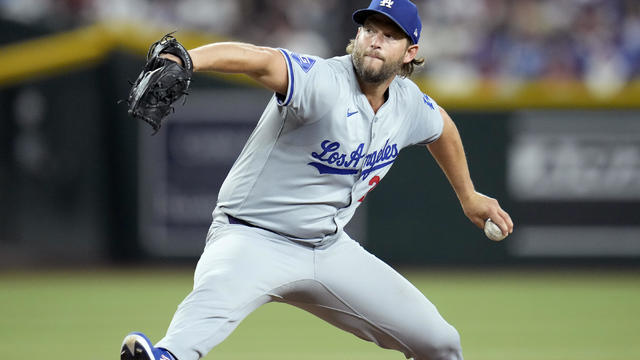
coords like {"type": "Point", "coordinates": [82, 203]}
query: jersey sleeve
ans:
{"type": "Point", "coordinates": [427, 123]}
{"type": "Point", "coordinates": [311, 84]}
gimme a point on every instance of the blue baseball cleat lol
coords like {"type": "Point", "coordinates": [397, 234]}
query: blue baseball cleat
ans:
{"type": "Point", "coordinates": [136, 346]}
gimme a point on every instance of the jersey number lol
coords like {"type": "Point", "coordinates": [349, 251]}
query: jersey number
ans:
{"type": "Point", "coordinates": [373, 183]}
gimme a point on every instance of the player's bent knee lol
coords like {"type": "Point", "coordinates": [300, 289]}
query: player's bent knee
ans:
{"type": "Point", "coordinates": [442, 346]}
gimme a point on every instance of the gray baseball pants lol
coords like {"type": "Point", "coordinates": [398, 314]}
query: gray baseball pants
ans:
{"type": "Point", "coordinates": [244, 267]}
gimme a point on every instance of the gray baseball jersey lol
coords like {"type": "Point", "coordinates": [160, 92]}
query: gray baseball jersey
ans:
{"type": "Point", "coordinates": [310, 162]}
{"type": "Point", "coordinates": [319, 149]}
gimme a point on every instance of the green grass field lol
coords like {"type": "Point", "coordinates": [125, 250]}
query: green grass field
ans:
{"type": "Point", "coordinates": [501, 314]}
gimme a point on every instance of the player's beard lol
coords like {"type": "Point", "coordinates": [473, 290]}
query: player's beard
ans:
{"type": "Point", "coordinates": [388, 69]}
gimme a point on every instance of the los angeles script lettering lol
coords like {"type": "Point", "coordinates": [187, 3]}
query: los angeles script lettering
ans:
{"type": "Point", "coordinates": [330, 155]}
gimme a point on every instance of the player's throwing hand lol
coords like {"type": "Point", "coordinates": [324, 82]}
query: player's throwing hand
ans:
{"type": "Point", "coordinates": [479, 207]}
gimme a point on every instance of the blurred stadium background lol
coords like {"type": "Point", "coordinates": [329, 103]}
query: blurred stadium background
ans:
{"type": "Point", "coordinates": [101, 224]}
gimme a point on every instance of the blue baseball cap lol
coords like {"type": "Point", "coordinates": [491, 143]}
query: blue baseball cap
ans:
{"type": "Point", "coordinates": [402, 12]}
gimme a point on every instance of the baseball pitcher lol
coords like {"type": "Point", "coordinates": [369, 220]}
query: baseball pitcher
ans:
{"type": "Point", "coordinates": [328, 136]}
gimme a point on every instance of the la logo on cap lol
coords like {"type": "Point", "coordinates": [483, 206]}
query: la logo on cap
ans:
{"type": "Point", "coordinates": [387, 3]}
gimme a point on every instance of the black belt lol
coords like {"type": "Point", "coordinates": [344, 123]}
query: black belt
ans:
{"type": "Point", "coordinates": [236, 221]}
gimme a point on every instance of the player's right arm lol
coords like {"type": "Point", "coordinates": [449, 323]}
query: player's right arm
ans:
{"type": "Point", "coordinates": [263, 64]}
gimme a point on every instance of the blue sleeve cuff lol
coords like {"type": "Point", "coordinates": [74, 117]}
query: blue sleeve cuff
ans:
{"type": "Point", "coordinates": [285, 100]}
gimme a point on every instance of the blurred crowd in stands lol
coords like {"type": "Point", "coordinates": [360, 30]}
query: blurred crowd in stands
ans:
{"type": "Point", "coordinates": [463, 40]}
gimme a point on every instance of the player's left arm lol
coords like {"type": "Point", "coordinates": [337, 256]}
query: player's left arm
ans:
{"type": "Point", "coordinates": [264, 64]}
{"type": "Point", "coordinates": [449, 153]}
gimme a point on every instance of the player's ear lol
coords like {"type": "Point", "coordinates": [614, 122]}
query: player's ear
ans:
{"type": "Point", "coordinates": [410, 54]}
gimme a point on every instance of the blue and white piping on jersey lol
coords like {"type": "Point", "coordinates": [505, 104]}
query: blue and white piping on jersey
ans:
{"type": "Point", "coordinates": [289, 95]}
{"type": "Point", "coordinates": [347, 164]}
{"type": "Point", "coordinates": [305, 63]}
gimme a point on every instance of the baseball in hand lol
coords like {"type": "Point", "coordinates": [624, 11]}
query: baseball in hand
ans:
{"type": "Point", "coordinates": [492, 231]}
